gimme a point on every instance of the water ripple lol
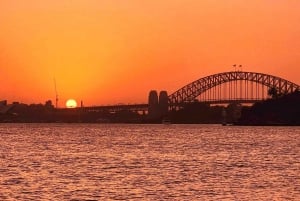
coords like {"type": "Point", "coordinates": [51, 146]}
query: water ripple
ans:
{"type": "Point", "coordinates": [148, 162]}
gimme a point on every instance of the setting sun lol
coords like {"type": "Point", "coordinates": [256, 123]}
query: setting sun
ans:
{"type": "Point", "coordinates": [71, 103]}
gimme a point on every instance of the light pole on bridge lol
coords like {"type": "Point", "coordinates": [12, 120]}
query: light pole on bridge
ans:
{"type": "Point", "coordinates": [240, 67]}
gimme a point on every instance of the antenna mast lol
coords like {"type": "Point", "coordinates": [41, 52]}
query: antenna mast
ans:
{"type": "Point", "coordinates": [56, 95]}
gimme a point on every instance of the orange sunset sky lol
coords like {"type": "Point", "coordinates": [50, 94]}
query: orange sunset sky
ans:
{"type": "Point", "coordinates": [116, 51]}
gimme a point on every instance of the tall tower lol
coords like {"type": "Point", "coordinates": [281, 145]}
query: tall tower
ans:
{"type": "Point", "coordinates": [56, 95]}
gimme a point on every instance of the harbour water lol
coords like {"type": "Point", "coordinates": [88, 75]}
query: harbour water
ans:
{"type": "Point", "coordinates": [148, 162]}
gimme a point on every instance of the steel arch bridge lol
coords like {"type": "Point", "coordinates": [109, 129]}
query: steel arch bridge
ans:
{"type": "Point", "coordinates": [226, 87]}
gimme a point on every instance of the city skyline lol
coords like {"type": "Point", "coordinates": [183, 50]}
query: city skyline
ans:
{"type": "Point", "coordinates": [107, 52]}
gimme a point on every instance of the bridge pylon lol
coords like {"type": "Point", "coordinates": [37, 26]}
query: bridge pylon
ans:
{"type": "Point", "coordinates": [158, 105]}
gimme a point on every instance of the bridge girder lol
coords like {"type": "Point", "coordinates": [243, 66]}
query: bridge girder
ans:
{"type": "Point", "coordinates": [194, 89]}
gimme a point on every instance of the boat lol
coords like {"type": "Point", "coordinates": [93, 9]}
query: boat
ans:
{"type": "Point", "coordinates": [166, 121]}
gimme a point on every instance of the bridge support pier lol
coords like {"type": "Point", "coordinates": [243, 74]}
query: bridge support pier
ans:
{"type": "Point", "coordinates": [158, 105]}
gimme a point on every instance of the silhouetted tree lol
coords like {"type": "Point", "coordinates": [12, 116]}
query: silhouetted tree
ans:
{"type": "Point", "coordinates": [273, 93]}
{"type": "Point", "coordinates": [49, 104]}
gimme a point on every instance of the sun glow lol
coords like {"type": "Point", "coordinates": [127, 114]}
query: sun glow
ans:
{"type": "Point", "coordinates": [71, 103]}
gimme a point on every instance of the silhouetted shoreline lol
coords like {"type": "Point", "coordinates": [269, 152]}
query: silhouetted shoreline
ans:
{"type": "Point", "coordinates": [280, 111]}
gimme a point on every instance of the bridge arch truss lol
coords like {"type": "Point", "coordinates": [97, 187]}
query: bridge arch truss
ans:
{"type": "Point", "coordinates": [203, 85]}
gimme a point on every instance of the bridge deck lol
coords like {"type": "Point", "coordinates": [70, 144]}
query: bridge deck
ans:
{"type": "Point", "coordinates": [144, 107]}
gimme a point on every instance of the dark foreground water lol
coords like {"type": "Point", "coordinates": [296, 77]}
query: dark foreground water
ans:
{"type": "Point", "coordinates": [148, 162]}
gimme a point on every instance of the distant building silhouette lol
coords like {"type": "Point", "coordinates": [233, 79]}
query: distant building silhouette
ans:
{"type": "Point", "coordinates": [3, 103]}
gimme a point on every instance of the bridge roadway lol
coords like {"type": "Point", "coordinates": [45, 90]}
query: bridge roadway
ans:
{"type": "Point", "coordinates": [229, 101]}
{"type": "Point", "coordinates": [144, 107]}
{"type": "Point", "coordinates": [220, 102]}
{"type": "Point", "coordinates": [116, 108]}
